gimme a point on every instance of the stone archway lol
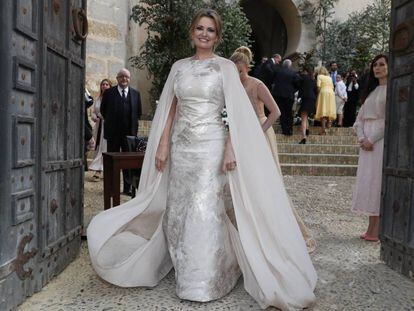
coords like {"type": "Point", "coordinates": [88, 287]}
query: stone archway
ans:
{"type": "Point", "coordinates": [276, 26]}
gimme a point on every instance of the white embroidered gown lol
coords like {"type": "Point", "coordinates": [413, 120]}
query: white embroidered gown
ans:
{"type": "Point", "coordinates": [178, 218]}
{"type": "Point", "coordinates": [195, 220]}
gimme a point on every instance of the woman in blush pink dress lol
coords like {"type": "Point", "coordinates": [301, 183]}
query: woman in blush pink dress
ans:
{"type": "Point", "coordinates": [369, 126]}
{"type": "Point", "coordinates": [260, 97]}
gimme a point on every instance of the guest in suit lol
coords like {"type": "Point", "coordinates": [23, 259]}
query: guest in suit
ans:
{"type": "Point", "coordinates": [258, 68]}
{"type": "Point", "coordinates": [363, 82]}
{"type": "Point", "coordinates": [121, 109]}
{"type": "Point", "coordinates": [267, 70]}
{"type": "Point", "coordinates": [333, 71]}
{"type": "Point", "coordinates": [352, 88]}
{"type": "Point", "coordinates": [307, 95]}
{"type": "Point", "coordinates": [285, 84]}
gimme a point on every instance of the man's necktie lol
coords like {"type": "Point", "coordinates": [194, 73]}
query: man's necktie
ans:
{"type": "Point", "coordinates": [123, 96]}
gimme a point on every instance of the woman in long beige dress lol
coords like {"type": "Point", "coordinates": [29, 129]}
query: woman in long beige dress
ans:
{"type": "Point", "coordinates": [260, 97]}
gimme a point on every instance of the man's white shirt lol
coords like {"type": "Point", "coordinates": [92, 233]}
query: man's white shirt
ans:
{"type": "Point", "coordinates": [340, 89]}
{"type": "Point", "coordinates": [125, 89]}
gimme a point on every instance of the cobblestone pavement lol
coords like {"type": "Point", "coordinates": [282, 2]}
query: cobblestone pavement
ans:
{"type": "Point", "coordinates": [351, 275]}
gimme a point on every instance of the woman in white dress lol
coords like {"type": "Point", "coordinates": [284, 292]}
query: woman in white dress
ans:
{"type": "Point", "coordinates": [98, 134]}
{"type": "Point", "coordinates": [178, 218]}
{"type": "Point", "coordinates": [370, 125]}
{"type": "Point", "coordinates": [260, 97]}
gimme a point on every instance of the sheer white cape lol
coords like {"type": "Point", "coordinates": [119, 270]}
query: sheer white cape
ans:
{"type": "Point", "coordinates": [127, 244]}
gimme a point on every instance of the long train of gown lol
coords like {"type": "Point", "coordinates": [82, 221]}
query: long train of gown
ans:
{"type": "Point", "coordinates": [252, 92]}
{"type": "Point", "coordinates": [128, 246]}
{"type": "Point", "coordinates": [271, 140]}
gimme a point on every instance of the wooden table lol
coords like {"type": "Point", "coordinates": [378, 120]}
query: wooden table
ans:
{"type": "Point", "coordinates": [113, 162]}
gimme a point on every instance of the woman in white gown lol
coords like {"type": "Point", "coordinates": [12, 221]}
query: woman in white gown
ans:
{"type": "Point", "coordinates": [178, 218]}
{"type": "Point", "coordinates": [98, 134]}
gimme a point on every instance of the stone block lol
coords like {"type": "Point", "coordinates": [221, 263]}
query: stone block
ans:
{"type": "Point", "coordinates": [103, 30]}
{"type": "Point", "coordinates": [99, 11]}
{"type": "Point", "coordinates": [97, 47]}
{"type": "Point", "coordinates": [114, 67]}
{"type": "Point", "coordinates": [119, 50]}
{"type": "Point", "coordinates": [95, 66]}
{"type": "Point", "coordinates": [120, 17]}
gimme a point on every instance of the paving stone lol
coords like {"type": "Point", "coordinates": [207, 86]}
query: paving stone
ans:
{"type": "Point", "coordinates": [351, 274]}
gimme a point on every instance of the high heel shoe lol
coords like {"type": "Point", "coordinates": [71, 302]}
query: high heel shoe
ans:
{"type": "Point", "coordinates": [303, 141]}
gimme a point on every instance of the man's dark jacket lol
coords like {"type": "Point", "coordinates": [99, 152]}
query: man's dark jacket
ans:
{"type": "Point", "coordinates": [120, 120]}
{"type": "Point", "coordinates": [285, 82]}
{"type": "Point", "coordinates": [266, 73]}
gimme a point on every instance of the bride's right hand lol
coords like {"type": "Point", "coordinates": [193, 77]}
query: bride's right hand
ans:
{"type": "Point", "coordinates": [161, 157]}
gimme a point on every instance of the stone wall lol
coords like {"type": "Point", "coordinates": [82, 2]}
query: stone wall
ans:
{"type": "Point", "coordinates": [112, 40]}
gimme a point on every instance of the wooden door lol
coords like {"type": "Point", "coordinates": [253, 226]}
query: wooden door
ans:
{"type": "Point", "coordinates": [397, 210]}
{"type": "Point", "coordinates": [41, 134]}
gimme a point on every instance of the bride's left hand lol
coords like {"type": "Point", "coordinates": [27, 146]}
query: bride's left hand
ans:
{"type": "Point", "coordinates": [229, 161]}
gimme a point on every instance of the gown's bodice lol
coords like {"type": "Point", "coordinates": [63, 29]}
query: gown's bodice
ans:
{"type": "Point", "coordinates": [200, 99]}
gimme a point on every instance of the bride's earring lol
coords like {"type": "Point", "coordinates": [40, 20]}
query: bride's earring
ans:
{"type": "Point", "coordinates": [192, 44]}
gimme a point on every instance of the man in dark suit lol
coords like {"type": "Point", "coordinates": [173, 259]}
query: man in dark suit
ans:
{"type": "Point", "coordinates": [121, 109]}
{"type": "Point", "coordinates": [333, 71]}
{"type": "Point", "coordinates": [285, 84]}
{"type": "Point", "coordinates": [267, 70]}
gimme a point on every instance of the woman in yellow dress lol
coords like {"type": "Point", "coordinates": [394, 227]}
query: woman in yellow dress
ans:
{"type": "Point", "coordinates": [326, 107]}
{"type": "Point", "coordinates": [260, 97]}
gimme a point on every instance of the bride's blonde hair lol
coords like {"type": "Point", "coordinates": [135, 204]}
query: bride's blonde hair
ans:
{"type": "Point", "coordinates": [242, 54]}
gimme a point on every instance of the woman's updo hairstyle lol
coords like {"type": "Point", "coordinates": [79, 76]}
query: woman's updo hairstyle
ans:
{"type": "Point", "coordinates": [242, 54]}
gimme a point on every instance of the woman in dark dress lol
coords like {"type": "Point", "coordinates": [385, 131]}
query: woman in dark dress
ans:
{"type": "Point", "coordinates": [307, 94]}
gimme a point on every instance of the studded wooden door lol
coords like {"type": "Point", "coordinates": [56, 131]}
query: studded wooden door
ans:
{"type": "Point", "coordinates": [397, 210]}
{"type": "Point", "coordinates": [41, 134]}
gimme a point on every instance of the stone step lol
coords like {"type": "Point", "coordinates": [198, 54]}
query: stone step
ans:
{"type": "Point", "coordinates": [319, 170]}
{"type": "Point", "coordinates": [315, 130]}
{"type": "Point", "coordinates": [318, 149]}
{"type": "Point", "coordinates": [316, 159]}
{"type": "Point", "coordinates": [318, 139]}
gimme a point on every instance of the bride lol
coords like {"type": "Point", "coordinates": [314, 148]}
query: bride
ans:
{"type": "Point", "coordinates": [179, 219]}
